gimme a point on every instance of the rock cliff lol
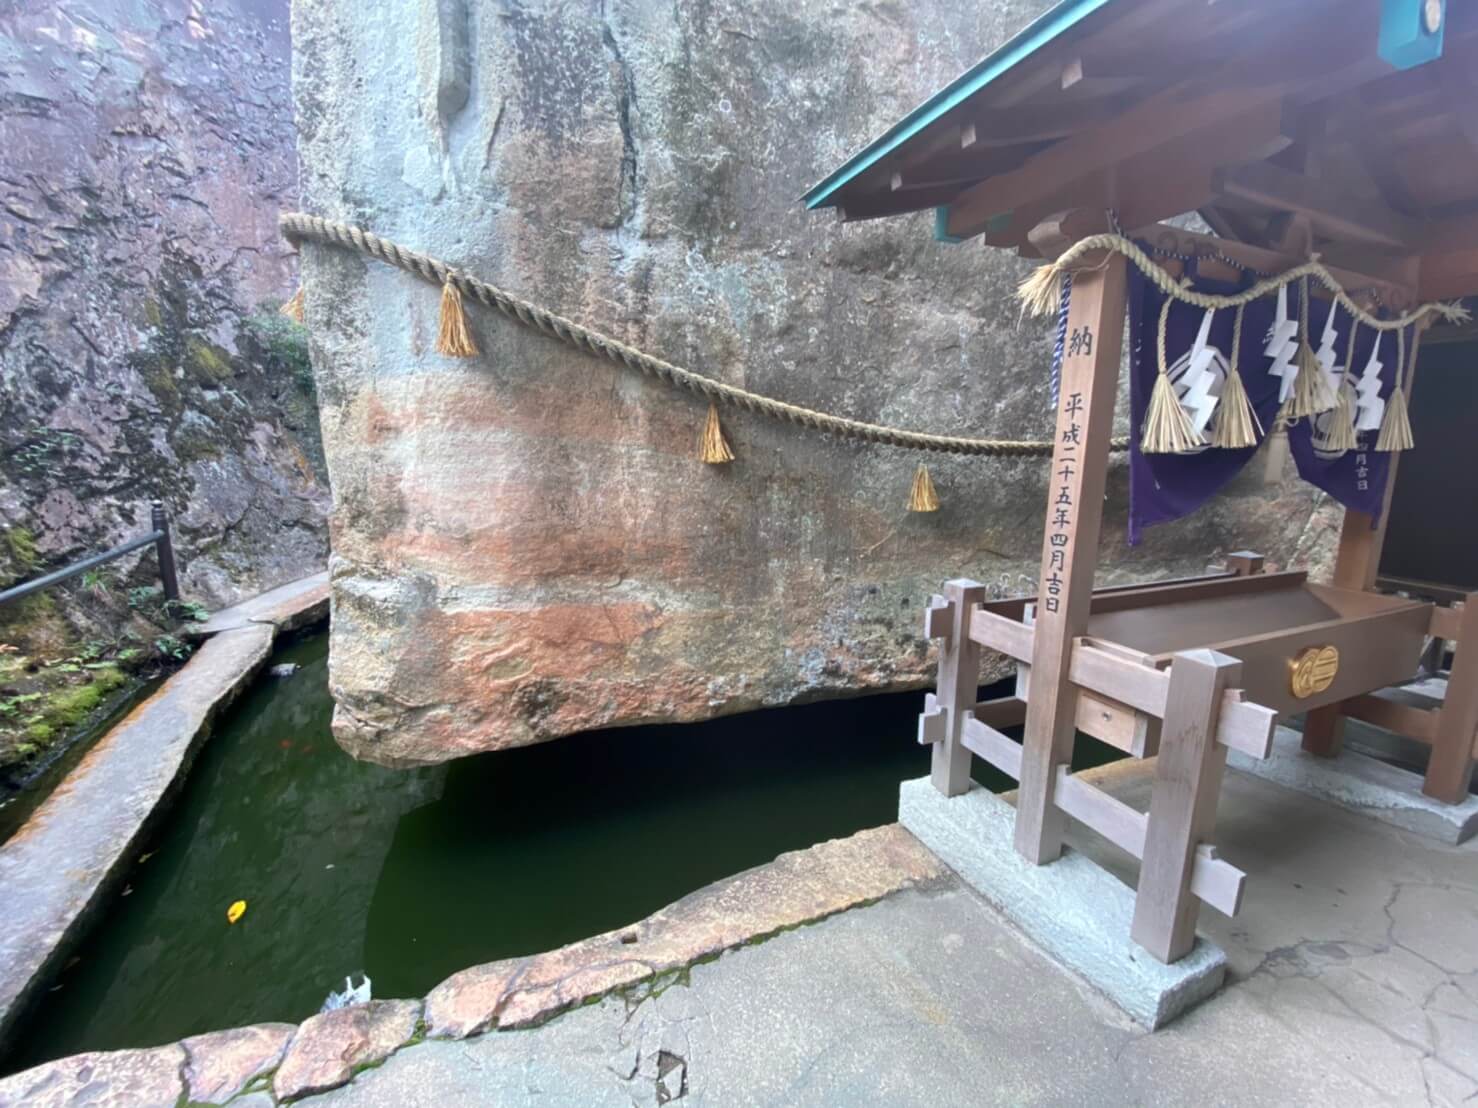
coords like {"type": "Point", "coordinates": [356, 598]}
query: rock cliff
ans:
{"type": "Point", "coordinates": [525, 545]}
{"type": "Point", "coordinates": [148, 148]}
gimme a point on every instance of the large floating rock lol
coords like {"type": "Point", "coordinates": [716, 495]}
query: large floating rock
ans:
{"type": "Point", "coordinates": [525, 544]}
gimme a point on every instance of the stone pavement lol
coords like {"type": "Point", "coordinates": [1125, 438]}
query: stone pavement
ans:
{"type": "Point", "coordinates": [1353, 979]}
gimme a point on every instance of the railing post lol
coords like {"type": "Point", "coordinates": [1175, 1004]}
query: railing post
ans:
{"type": "Point", "coordinates": [1182, 813]}
{"type": "Point", "coordinates": [958, 684]}
{"type": "Point", "coordinates": [165, 549]}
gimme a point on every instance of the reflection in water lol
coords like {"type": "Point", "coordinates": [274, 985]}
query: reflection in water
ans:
{"type": "Point", "coordinates": [410, 875]}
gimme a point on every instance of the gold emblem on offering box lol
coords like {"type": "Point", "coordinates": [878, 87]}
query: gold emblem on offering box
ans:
{"type": "Point", "coordinates": [1313, 670]}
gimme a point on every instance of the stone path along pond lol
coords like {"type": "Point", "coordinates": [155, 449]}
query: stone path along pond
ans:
{"type": "Point", "coordinates": [411, 875]}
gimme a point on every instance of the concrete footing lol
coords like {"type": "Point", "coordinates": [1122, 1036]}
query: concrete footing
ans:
{"type": "Point", "coordinates": [1077, 912]}
{"type": "Point", "coordinates": [1365, 785]}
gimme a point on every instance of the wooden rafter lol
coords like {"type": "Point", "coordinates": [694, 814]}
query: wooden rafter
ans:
{"type": "Point", "coordinates": [1330, 210]}
{"type": "Point", "coordinates": [1235, 89]}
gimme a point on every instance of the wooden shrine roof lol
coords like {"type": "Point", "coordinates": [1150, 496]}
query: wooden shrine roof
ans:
{"type": "Point", "coordinates": [1339, 126]}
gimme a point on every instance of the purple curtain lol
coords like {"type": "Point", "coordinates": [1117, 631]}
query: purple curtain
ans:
{"type": "Point", "coordinates": [1164, 487]}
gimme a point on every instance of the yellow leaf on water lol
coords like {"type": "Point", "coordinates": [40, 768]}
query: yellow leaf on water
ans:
{"type": "Point", "coordinates": [236, 911]}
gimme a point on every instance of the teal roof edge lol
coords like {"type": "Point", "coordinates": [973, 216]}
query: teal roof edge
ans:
{"type": "Point", "coordinates": [1035, 35]}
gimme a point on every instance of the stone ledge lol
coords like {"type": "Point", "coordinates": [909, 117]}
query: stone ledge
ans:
{"type": "Point", "coordinates": [1078, 913]}
{"type": "Point", "coordinates": [280, 1063]}
{"type": "Point", "coordinates": [285, 608]}
{"type": "Point", "coordinates": [1364, 785]}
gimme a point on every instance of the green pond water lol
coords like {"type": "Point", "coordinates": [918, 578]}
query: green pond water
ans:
{"type": "Point", "coordinates": [409, 876]}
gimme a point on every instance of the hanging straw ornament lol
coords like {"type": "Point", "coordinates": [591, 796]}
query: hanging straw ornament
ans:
{"type": "Point", "coordinates": [713, 448]}
{"type": "Point", "coordinates": [453, 338]}
{"type": "Point", "coordinates": [1167, 426]}
{"type": "Point", "coordinates": [293, 309]}
{"type": "Point", "coordinates": [1237, 426]}
{"type": "Point", "coordinates": [922, 497]}
{"type": "Point", "coordinates": [1310, 394]}
{"type": "Point", "coordinates": [1395, 425]}
{"type": "Point", "coordinates": [1340, 437]}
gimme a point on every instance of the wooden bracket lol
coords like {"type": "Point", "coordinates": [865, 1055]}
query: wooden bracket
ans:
{"type": "Point", "coordinates": [938, 617]}
{"type": "Point", "coordinates": [933, 723]}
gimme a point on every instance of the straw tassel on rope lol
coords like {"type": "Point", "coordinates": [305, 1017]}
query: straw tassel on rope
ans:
{"type": "Point", "coordinates": [1341, 437]}
{"type": "Point", "coordinates": [293, 309]}
{"type": "Point", "coordinates": [1167, 427]}
{"type": "Point", "coordinates": [1395, 426]}
{"type": "Point", "coordinates": [453, 338]}
{"type": "Point", "coordinates": [1310, 394]}
{"type": "Point", "coordinates": [923, 497]}
{"type": "Point", "coordinates": [1237, 426]}
{"type": "Point", "coordinates": [712, 447]}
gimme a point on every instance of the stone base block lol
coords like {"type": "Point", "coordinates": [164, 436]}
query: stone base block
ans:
{"type": "Point", "coordinates": [1078, 913]}
{"type": "Point", "coordinates": [1357, 781]}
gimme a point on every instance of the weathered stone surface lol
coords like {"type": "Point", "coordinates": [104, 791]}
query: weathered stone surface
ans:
{"type": "Point", "coordinates": [148, 146]}
{"type": "Point", "coordinates": [525, 545]}
{"type": "Point", "coordinates": [102, 1079]}
{"type": "Point", "coordinates": [330, 1047]}
{"type": "Point", "coordinates": [796, 888]}
{"type": "Point", "coordinates": [219, 1065]}
{"type": "Point", "coordinates": [93, 820]}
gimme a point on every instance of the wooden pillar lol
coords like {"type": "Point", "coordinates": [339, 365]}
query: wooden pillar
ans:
{"type": "Point", "coordinates": [1356, 564]}
{"type": "Point", "coordinates": [1085, 414]}
{"type": "Point", "coordinates": [1450, 770]}
{"type": "Point", "coordinates": [1182, 813]}
{"type": "Point", "coordinates": [957, 687]}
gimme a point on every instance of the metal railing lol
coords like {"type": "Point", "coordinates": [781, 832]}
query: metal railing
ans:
{"type": "Point", "coordinates": [163, 546]}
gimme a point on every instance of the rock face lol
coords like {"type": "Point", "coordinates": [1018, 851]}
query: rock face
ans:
{"type": "Point", "coordinates": [148, 148]}
{"type": "Point", "coordinates": [525, 544]}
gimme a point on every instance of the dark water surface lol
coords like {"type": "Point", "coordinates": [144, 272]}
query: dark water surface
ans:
{"type": "Point", "coordinates": [412, 875]}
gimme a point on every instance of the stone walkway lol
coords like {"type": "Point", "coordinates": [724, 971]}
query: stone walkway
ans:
{"type": "Point", "coordinates": [86, 834]}
{"type": "Point", "coordinates": [1353, 979]}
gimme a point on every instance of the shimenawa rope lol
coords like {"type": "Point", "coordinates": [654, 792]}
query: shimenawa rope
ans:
{"type": "Point", "coordinates": [298, 226]}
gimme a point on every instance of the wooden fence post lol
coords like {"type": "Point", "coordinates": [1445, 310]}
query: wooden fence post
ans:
{"type": "Point", "coordinates": [958, 685]}
{"type": "Point", "coordinates": [1183, 805]}
{"type": "Point", "coordinates": [1450, 770]}
{"type": "Point", "coordinates": [1085, 416]}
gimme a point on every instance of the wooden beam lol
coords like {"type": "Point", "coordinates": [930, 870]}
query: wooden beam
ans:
{"type": "Point", "coordinates": [958, 680]}
{"type": "Point", "coordinates": [986, 742]}
{"type": "Point", "coordinates": [1239, 86]}
{"type": "Point", "coordinates": [1007, 636]}
{"type": "Point", "coordinates": [1182, 812]}
{"type": "Point", "coordinates": [1005, 711]}
{"type": "Point", "coordinates": [1392, 715]}
{"type": "Point", "coordinates": [1033, 123]}
{"type": "Point", "coordinates": [1213, 880]}
{"type": "Point", "coordinates": [1450, 770]}
{"type": "Point", "coordinates": [1330, 210]}
{"type": "Point", "coordinates": [1090, 371]}
{"type": "Point", "coordinates": [879, 205]}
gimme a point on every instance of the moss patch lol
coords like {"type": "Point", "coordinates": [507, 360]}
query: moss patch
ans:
{"type": "Point", "coordinates": [210, 363]}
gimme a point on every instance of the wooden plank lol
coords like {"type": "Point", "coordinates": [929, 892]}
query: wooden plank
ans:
{"type": "Point", "coordinates": [1006, 711]}
{"type": "Point", "coordinates": [1238, 86]}
{"type": "Point", "coordinates": [1329, 208]}
{"type": "Point", "coordinates": [1203, 589]}
{"type": "Point", "coordinates": [1241, 725]}
{"type": "Point", "coordinates": [879, 205]}
{"type": "Point", "coordinates": [1356, 564]}
{"type": "Point", "coordinates": [1450, 771]}
{"type": "Point", "coordinates": [1174, 241]}
{"type": "Point", "coordinates": [1183, 805]}
{"type": "Point", "coordinates": [1006, 636]}
{"type": "Point", "coordinates": [988, 743]}
{"type": "Point", "coordinates": [1404, 719]}
{"type": "Point", "coordinates": [1214, 881]}
{"type": "Point", "coordinates": [957, 685]}
{"type": "Point", "coordinates": [1447, 622]}
{"type": "Point", "coordinates": [1117, 724]}
{"type": "Point", "coordinates": [1085, 412]}
{"type": "Point", "coordinates": [1033, 123]}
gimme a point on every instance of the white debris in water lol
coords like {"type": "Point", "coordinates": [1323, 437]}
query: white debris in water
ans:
{"type": "Point", "coordinates": [352, 994]}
